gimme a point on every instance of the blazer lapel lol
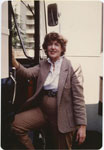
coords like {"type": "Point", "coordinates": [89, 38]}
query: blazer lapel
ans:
{"type": "Point", "coordinates": [62, 79]}
{"type": "Point", "coordinates": [44, 70]}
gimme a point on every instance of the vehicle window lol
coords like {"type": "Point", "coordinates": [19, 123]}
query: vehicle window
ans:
{"type": "Point", "coordinates": [24, 15]}
{"type": "Point", "coordinates": [52, 15]}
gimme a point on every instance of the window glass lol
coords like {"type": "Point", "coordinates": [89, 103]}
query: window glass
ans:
{"type": "Point", "coordinates": [25, 22]}
{"type": "Point", "coordinates": [52, 15]}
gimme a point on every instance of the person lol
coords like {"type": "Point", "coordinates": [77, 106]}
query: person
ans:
{"type": "Point", "coordinates": [61, 104]}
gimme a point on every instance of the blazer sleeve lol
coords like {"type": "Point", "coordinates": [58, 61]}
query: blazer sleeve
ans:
{"type": "Point", "coordinates": [78, 96]}
{"type": "Point", "coordinates": [28, 73]}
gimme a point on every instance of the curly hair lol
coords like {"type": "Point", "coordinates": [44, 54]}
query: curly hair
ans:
{"type": "Point", "coordinates": [53, 36]}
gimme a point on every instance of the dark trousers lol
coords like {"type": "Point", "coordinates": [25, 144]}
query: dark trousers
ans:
{"type": "Point", "coordinates": [39, 117]}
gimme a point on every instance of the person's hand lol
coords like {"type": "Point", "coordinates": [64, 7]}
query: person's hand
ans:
{"type": "Point", "coordinates": [81, 134]}
{"type": "Point", "coordinates": [14, 61]}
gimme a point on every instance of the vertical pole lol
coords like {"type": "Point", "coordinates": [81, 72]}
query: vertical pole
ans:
{"type": "Point", "coordinates": [10, 34]}
{"type": "Point", "coordinates": [37, 31]}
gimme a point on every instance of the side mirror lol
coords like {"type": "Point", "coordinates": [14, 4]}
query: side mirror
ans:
{"type": "Point", "coordinates": [52, 14]}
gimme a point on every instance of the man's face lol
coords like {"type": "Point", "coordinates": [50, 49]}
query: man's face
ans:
{"type": "Point", "coordinates": [54, 50]}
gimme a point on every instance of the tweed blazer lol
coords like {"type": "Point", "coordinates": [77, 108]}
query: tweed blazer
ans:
{"type": "Point", "coordinates": [71, 109]}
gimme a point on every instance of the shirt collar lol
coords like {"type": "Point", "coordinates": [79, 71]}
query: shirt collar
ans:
{"type": "Point", "coordinates": [59, 60]}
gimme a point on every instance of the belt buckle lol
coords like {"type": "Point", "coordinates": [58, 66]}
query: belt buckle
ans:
{"type": "Point", "coordinates": [51, 93]}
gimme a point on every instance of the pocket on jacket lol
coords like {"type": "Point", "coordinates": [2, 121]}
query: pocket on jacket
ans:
{"type": "Point", "coordinates": [70, 119]}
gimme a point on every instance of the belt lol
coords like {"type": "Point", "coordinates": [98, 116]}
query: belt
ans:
{"type": "Point", "coordinates": [50, 93]}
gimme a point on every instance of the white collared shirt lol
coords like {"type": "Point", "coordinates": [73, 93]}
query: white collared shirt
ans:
{"type": "Point", "coordinates": [52, 79]}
